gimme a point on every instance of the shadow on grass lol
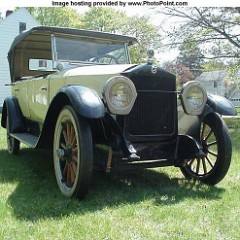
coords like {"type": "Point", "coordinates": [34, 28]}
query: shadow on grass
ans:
{"type": "Point", "coordinates": [37, 196]}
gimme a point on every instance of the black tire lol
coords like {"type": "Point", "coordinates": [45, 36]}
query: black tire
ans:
{"type": "Point", "coordinates": [217, 147]}
{"type": "Point", "coordinates": [72, 153]}
{"type": "Point", "coordinates": [13, 145]}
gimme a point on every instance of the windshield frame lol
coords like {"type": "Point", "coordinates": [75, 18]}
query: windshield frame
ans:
{"type": "Point", "coordinates": [68, 63]}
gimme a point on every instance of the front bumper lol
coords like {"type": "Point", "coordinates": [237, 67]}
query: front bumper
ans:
{"type": "Point", "coordinates": [148, 155]}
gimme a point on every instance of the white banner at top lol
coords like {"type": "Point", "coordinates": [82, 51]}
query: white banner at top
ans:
{"type": "Point", "coordinates": [117, 3]}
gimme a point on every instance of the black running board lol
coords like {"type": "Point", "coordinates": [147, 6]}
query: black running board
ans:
{"type": "Point", "coordinates": [26, 138]}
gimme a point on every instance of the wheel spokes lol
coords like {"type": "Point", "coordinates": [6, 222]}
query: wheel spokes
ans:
{"type": "Point", "coordinates": [68, 175]}
{"type": "Point", "coordinates": [65, 136]}
{"type": "Point", "coordinates": [74, 167]}
{"type": "Point", "coordinates": [212, 153]}
{"type": "Point", "coordinates": [69, 144]}
{"type": "Point", "coordinates": [203, 165]}
{"type": "Point", "coordinates": [65, 169]}
{"type": "Point", "coordinates": [191, 162]}
{"type": "Point", "coordinates": [212, 144]}
{"type": "Point", "coordinates": [199, 166]}
{"type": "Point", "coordinates": [208, 135]}
{"type": "Point", "coordinates": [68, 127]}
{"type": "Point", "coordinates": [74, 141]}
{"type": "Point", "coordinates": [73, 173]}
{"type": "Point", "coordinates": [209, 161]}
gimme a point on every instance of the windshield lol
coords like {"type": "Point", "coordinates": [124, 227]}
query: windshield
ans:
{"type": "Point", "coordinates": [93, 51]}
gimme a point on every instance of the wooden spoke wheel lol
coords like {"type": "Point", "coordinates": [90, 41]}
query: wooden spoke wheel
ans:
{"type": "Point", "coordinates": [217, 147]}
{"type": "Point", "coordinates": [72, 153]}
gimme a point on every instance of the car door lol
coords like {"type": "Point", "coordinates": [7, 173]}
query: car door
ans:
{"type": "Point", "coordinates": [20, 91]}
{"type": "Point", "coordinates": [38, 94]}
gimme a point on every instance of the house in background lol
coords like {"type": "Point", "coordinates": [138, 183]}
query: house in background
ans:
{"type": "Point", "coordinates": [10, 27]}
{"type": "Point", "coordinates": [218, 82]}
{"type": "Point", "coordinates": [214, 82]}
{"type": "Point", "coordinates": [235, 98]}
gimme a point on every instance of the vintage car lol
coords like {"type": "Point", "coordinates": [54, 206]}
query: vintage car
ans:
{"type": "Point", "coordinates": [75, 92]}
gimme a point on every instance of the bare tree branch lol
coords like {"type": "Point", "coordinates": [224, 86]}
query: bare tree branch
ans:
{"type": "Point", "coordinates": [216, 26]}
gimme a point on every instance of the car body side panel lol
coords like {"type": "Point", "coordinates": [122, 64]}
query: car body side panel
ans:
{"type": "Point", "coordinates": [20, 91]}
{"type": "Point", "coordinates": [38, 94]}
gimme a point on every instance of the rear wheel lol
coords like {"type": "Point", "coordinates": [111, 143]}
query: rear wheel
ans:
{"type": "Point", "coordinates": [13, 145]}
{"type": "Point", "coordinates": [217, 147]}
{"type": "Point", "coordinates": [72, 153]}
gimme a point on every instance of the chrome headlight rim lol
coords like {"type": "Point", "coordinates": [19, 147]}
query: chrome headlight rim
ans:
{"type": "Point", "coordinates": [107, 92]}
{"type": "Point", "coordinates": [187, 87]}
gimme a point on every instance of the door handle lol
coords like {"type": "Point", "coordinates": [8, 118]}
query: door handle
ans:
{"type": "Point", "coordinates": [44, 89]}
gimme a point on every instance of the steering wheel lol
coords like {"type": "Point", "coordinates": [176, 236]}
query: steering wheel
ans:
{"type": "Point", "coordinates": [106, 58]}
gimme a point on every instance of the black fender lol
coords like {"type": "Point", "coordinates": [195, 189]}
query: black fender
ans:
{"type": "Point", "coordinates": [85, 101]}
{"type": "Point", "coordinates": [191, 125]}
{"type": "Point", "coordinates": [221, 105]}
{"type": "Point", "coordinates": [192, 150]}
{"type": "Point", "coordinates": [12, 110]}
{"type": "Point", "coordinates": [190, 134]}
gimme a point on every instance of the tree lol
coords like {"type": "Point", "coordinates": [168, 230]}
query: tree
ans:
{"type": "Point", "coordinates": [214, 64]}
{"type": "Point", "coordinates": [216, 30]}
{"type": "Point", "coordinates": [182, 72]}
{"type": "Point", "coordinates": [110, 20]}
{"type": "Point", "coordinates": [107, 20]}
{"type": "Point", "coordinates": [191, 56]}
{"type": "Point", "coordinates": [234, 74]}
{"type": "Point", "coordinates": [53, 16]}
{"type": "Point", "coordinates": [146, 34]}
{"type": "Point", "coordinates": [104, 20]}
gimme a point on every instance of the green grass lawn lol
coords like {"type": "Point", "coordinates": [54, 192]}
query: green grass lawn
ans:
{"type": "Point", "coordinates": [146, 204]}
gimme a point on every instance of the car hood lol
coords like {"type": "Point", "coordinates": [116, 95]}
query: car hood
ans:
{"type": "Point", "coordinates": [97, 70]}
{"type": "Point", "coordinates": [94, 77]}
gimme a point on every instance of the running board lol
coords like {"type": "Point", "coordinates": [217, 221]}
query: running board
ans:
{"type": "Point", "coordinates": [26, 138]}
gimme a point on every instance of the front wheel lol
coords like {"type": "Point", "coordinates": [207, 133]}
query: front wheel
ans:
{"type": "Point", "coordinates": [217, 147]}
{"type": "Point", "coordinates": [72, 153]}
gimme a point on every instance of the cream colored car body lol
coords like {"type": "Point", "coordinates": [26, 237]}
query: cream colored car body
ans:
{"type": "Point", "coordinates": [60, 101]}
{"type": "Point", "coordinates": [35, 94]}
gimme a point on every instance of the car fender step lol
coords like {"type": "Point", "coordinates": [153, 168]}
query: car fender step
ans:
{"type": "Point", "coordinates": [26, 138]}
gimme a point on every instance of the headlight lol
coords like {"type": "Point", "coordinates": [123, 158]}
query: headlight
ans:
{"type": "Point", "coordinates": [193, 98]}
{"type": "Point", "coordinates": [119, 93]}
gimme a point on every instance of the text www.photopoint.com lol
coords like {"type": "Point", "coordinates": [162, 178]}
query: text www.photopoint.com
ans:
{"type": "Point", "coordinates": [157, 3]}
{"type": "Point", "coordinates": [118, 3]}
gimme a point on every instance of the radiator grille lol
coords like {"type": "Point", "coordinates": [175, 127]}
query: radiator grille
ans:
{"type": "Point", "coordinates": [154, 113]}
